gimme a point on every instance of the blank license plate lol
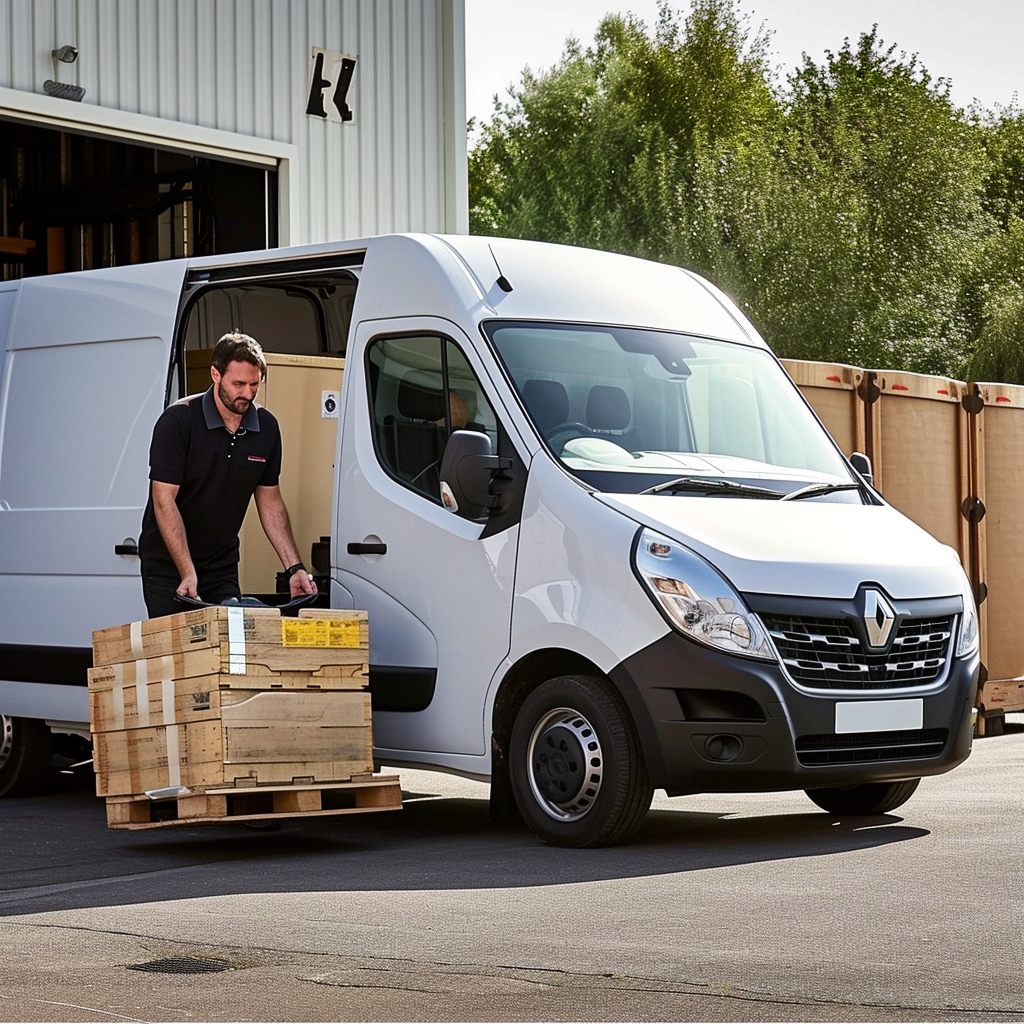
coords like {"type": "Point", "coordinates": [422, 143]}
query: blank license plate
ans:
{"type": "Point", "coordinates": [879, 715]}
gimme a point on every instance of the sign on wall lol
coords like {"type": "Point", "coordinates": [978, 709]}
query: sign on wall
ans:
{"type": "Point", "coordinates": [331, 89]}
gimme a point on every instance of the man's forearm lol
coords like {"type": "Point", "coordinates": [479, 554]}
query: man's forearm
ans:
{"type": "Point", "coordinates": [172, 529]}
{"type": "Point", "coordinates": [276, 524]}
{"type": "Point", "coordinates": [278, 528]}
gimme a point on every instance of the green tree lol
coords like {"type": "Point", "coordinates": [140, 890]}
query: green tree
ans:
{"type": "Point", "coordinates": [602, 149]}
{"type": "Point", "coordinates": [882, 144]}
{"type": "Point", "coordinates": [994, 298]}
{"type": "Point", "coordinates": [848, 213]}
{"type": "Point", "coordinates": [1002, 135]}
{"type": "Point", "coordinates": [994, 290]}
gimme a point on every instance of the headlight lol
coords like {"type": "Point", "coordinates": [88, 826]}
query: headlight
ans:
{"type": "Point", "coordinates": [696, 599]}
{"type": "Point", "coordinates": [967, 643]}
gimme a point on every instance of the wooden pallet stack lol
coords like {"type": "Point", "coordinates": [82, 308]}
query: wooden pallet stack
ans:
{"type": "Point", "coordinates": [233, 713]}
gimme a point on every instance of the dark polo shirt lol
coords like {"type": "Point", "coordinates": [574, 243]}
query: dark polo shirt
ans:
{"type": "Point", "coordinates": [216, 474]}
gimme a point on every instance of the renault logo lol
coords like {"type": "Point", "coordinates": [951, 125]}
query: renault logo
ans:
{"type": "Point", "coordinates": [878, 619]}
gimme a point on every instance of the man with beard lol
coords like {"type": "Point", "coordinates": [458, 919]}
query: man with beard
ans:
{"type": "Point", "coordinates": [210, 454]}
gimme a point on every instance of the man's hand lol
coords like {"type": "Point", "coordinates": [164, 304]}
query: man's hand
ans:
{"type": "Point", "coordinates": [301, 583]}
{"type": "Point", "coordinates": [187, 587]}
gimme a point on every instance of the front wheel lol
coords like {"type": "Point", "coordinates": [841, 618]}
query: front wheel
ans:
{"type": "Point", "coordinates": [575, 764]}
{"type": "Point", "coordinates": [870, 798]}
{"type": "Point", "coordinates": [26, 750]}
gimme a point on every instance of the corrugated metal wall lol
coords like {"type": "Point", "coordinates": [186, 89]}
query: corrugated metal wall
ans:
{"type": "Point", "coordinates": [243, 66]}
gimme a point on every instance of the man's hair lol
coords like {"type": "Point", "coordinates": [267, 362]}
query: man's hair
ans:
{"type": "Point", "coordinates": [237, 347]}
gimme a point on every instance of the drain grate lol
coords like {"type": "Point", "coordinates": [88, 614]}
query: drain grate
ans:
{"type": "Point", "coordinates": [183, 965]}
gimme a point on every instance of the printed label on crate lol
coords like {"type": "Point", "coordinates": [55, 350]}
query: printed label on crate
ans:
{"type": "Point", "coordinates": [319, 633]}
{"type": "Point", "coordinates": [197, 633]}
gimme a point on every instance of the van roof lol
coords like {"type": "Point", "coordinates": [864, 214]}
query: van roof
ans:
{"type": "Point", "coordinates": [454, 275]}
{"type": "Point", "coordinates": [549, 282]}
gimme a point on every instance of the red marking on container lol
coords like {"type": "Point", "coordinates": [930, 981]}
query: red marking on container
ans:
{"type": "Point", "coordinates": [1002, 398]}
{"type": "Point", "coordinates": [942, 391]}
{"type": "Point", "coordinates": [835, 380]}
{"type": "Point", "coordinates": [900, 387]}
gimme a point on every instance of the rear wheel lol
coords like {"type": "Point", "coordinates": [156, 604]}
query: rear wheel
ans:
{"type": "Point", "coordinates": [575, 764]}
{"type": "Point", "coordinates": [870, 798]}
{"type": "Point", "coordinates": [26, 749]}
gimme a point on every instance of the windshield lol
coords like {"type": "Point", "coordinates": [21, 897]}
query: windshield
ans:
{"type": "Point", "coordinates": [632, 410]}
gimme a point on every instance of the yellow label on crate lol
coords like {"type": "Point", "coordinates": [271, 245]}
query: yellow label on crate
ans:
{"type": "Point", "coordinates": [319, 633]}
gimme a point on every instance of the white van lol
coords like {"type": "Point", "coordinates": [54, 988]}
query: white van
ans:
{"type": "Point", "coordinates": [604, 543]}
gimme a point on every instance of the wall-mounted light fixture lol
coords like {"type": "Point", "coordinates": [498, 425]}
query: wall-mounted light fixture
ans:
{"type": "Point", "coordinates": [65, 54]}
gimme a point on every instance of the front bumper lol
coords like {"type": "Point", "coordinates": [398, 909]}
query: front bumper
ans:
{"type": "Point", "coordinates": [715, 723]}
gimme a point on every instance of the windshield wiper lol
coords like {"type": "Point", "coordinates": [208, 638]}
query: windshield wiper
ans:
{"type": "Point", "coordinates": [813, 490]}
{"type": "Point", "coordinates": [715, 486]}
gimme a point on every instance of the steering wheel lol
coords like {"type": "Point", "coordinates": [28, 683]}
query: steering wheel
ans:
{"type": "Point", "coordinates": [570, 429]}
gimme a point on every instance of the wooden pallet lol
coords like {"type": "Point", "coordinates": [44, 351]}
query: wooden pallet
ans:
{"type": "Point", "coordinates": [361, 795]}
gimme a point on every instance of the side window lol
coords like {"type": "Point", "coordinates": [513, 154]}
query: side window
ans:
{"type": "Point", "coordinates": [421, 389]}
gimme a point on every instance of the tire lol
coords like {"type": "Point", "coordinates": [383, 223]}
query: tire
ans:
{"type": "Point", "coordinates": [26, 750]}
{"type": "Point", "coordinates": [562, 725]}
{"type": "Point", "coordinates": [871, 798]}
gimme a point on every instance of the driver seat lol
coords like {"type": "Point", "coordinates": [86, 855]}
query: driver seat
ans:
{"type": "Point", "coordinates": [547, 401]}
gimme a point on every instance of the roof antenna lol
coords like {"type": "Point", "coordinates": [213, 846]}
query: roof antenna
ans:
{"type": "Point", "coordinates": [503, 281]}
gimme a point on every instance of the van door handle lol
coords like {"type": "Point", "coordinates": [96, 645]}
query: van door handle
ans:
{"type": "Point", "coordinates": [126, 547]}
{"type": "Point", "coordinates": [357, 548]}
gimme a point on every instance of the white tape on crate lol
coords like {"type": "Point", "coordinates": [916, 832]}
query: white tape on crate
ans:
{"type": "Point", "coordinates": [135, 636]}
{"type": "Point", "coordinates": [236, 641]}
{"type": "Point", "coordinates": [173, 757]}
{"type": "Point", "coordinates": [167, 699]}
{"type": "Point", "coordinates": [142, 692]}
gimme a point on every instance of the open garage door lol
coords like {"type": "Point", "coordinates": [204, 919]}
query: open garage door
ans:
{"type": "Point", "coordinates": [74, 201]}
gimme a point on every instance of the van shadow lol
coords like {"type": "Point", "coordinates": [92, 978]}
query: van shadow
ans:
{"type": "Point", "coordinates": [62, 856]}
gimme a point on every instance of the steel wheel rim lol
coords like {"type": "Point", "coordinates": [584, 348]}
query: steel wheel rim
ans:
{"type": "Point", "coordinates": [565, 764]}
{"type": "Point", "coordinates": [6, 738]}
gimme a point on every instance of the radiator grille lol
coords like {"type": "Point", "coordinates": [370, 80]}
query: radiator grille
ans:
{"type": "Point", "coordinates": [827, 654]}
{"type": "Point", "coordinates": [865, 747]}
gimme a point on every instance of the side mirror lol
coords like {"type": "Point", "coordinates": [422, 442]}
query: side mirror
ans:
{"type": "Point", "coordinates": [467, 468]}
{"type": "Point", "coordinates": [862, 464]}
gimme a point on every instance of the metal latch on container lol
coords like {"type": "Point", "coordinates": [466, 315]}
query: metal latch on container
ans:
{"type": "Point", "coordinates": [973, 509]}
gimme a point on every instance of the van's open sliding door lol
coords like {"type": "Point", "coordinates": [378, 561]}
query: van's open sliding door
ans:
{"type": "Point", "coordinates": [85, 379]}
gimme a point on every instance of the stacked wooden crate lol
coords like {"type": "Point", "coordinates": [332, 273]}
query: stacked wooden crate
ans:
{"type": "Point", "coordinates": [234, 713]}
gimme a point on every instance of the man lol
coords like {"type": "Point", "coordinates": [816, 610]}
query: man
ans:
{"type": "Point", "coordinates": [210, 454]}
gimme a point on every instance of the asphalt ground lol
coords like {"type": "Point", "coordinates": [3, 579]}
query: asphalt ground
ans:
{"type": "Point", "coordinates": [723, 908]}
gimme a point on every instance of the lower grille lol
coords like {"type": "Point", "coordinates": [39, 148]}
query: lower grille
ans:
{"type": "Point", "coordinates": [865, 747]}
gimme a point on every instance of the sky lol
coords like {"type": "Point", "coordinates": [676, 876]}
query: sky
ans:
{"type": "Point", "coordinates": [977, 44]}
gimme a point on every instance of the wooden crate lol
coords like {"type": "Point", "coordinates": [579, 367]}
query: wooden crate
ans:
{"type": "Point", "coordinates": [919, 445]}
{"type": "Point", "coordinates": [1000, 578]}
{"type": "Point", "coordinates": [836, 393]}
{"type": "Point", "coordinates": [207, 661]}
{"type": "Point", "coordinates": [1002, 695]}
{"type": "Point", "coordinates": [293, 392]}
{"type": "Point", "coordinates": [230, 697]}
{"type": "Point", "coordinates": [138, 699]}
{"type": "Point", "coordinates": [237, 738]}
{"type": "Point", "coordinates": [243, 637]}
{"type": "Point", "coordinates": [943, 453]}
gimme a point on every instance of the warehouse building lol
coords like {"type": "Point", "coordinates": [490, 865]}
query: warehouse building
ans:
{"type": "Point", "coordinates": [140, 130]}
